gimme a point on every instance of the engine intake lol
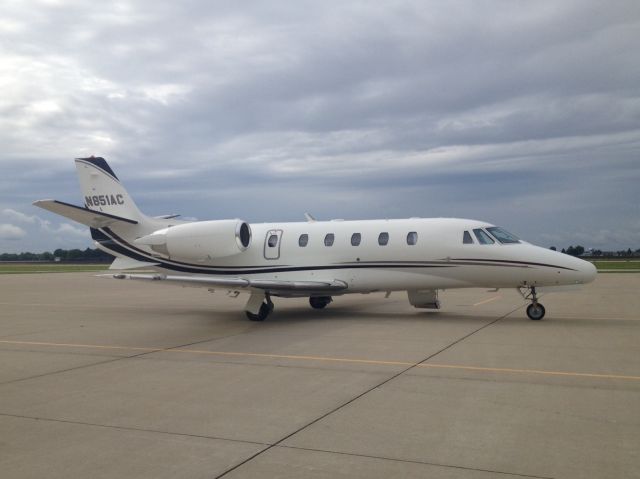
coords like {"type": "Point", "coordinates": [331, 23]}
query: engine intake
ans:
{"type": "Point", "coordinates": [200, 241]}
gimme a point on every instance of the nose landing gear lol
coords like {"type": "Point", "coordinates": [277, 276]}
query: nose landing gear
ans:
{"type": "Point", "coordinates": [535, 310]}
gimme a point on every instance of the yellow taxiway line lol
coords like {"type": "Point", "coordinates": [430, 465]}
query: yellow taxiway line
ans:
{"type": "Point", "coordinates": [487, 300]}
{"type": "Point", "coordinates": [330, 359]}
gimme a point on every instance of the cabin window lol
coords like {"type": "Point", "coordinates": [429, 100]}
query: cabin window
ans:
{"type": "Point", "coordinates": [412, 238]}
{"type": "Point", "coordinates": [483, 237]}
{"type": "Point", "coordinates": [355, 239]}
{"type": "Point", "coordinates": [272, 241]}
{"type": "Point", "coordinates": [303, 240]}
{"type": "Point", "coordinates": [466, 238]}
{"type": "Point", "coordinates": [503, 235]}
{"type": "Point", "coordinates": [328, 239]}
{"type": "Point", "coordinates": [383, 239]}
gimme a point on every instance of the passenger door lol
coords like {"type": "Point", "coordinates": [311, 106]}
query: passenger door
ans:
{"type": "Point", "coordinates": [272, 244]}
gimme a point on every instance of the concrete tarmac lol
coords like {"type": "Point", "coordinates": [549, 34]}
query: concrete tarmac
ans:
{"type": "Point", "coordinates": [103, 378]}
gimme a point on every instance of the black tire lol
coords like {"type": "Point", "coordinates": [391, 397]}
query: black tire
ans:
{"type": "Point", "coordinates": [535, 311]}
{"type": "Point", "coordinates": [265, 310]}
{"type": "Point", "coordinates": [319, 302]}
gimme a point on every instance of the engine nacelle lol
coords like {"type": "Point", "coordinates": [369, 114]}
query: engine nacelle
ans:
{"type": "Point", "coordinates": [200, 241]}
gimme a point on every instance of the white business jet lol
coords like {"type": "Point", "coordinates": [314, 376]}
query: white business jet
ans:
{"type": "Point", "coordinates": [314, 259]}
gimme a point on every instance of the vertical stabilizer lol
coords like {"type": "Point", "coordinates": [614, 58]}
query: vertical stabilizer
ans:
{"type": "Point", "coordinates": [103, 191]}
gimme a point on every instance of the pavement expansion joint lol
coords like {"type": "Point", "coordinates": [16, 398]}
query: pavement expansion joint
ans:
{"type": "Point", "coordinates": [267, 445]}
{"type": "Point", "coordinates": [464, 402]}
{"type": "Point", "coordinates": [130, 428]}
{"type": "Point", "coordinates": [181, 349]}
{"type": "Point", "coordinates": [75, 368]}
{"type": "Point", "coordinates": [412, 461]}
{"type": "Point", "coordinates": [367, 391]}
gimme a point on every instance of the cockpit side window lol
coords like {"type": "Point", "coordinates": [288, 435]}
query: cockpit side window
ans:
{"type": "Point", "coordinates": [466, 238]}
{"type": "Point", "coordinates": [503, 235]}
{"type": "Point", "coordinates": [483, 237]}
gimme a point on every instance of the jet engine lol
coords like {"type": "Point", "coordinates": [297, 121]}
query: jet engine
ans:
{"type": "Point", "coordinates": [200, 241]}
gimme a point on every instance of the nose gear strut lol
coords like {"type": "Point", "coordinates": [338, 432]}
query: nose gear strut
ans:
{"type": "Point", "coordinates": [535, 310]}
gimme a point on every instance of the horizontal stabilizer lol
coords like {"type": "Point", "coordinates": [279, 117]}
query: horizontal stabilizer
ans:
{"type": "Point", "coordinates": [128, 263]}
{"type": "Point", "coordinates": [289, 288]}
{"type": "Point", "coordinates": [85, 216]}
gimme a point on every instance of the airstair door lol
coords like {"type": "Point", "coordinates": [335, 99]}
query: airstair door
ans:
{"type": "Point", "coordinates": [272, 244]}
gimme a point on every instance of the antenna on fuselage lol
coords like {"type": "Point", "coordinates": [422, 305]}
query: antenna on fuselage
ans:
{"type": "Point", "coordinates": [309, 218]}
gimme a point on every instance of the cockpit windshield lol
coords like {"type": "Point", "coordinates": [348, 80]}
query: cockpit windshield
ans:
{"type": "Point", "coordinates": [482, 236]}
{"type": "Point", "coordinates": [503, 235]}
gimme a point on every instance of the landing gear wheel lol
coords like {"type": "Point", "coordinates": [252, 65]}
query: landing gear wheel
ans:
{"type": "Point", "coordinates": [319, 302]}
{"type": "Point", "coordinates": [265, 310]}
{"type": "Point", "coordinates": [535, 311]}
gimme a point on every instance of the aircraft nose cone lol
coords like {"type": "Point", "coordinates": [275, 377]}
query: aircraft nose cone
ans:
{"type": "Point", "coordinates": [574, 270]}
{"type": "Point", "coordinates": [588, 271]}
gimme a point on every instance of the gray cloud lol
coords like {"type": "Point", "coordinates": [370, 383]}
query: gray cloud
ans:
{"type": "Point", "coordinates": [34, 231]}
{"type": "Point", "coordinates": [11, 232]}
{"type": "Point", "coordinates": [525, 114]}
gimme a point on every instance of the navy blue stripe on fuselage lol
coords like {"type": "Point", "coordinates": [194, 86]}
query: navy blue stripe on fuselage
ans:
{"type": "Point", "coordinates": [412, 264]}
{"type": "Point", "coordinates": [500, 261]}
{"type": "Point", "coordinates": [124, 242]}
{"type": "Point", "coordinates": [111, 240]}
{"type": "Point", "coordinates": [445, 263]}
{"type": "Point", "coordinates": [122, 247]}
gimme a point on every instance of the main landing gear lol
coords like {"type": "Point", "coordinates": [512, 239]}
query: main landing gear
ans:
{"type": "Point", "coordinates": [319, 302]}
{"type": "Point", "coordinates": [259, 307]}
{"type": "Point", "coordinates": [535, 310]}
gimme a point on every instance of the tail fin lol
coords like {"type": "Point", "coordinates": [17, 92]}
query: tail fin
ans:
{"type": "Point", "coordinates": [103, 191]}
{"type": "Point", "coordinates": [109, 211]}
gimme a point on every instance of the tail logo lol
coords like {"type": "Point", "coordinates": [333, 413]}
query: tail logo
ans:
{"type": "Point", "coordinates": [104, 200]}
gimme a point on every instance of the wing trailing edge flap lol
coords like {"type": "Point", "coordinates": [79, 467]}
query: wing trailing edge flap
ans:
{"type": "Point", "coordinates": [85, 216]}
{"type": "Point", "coordinates": [278, 286]}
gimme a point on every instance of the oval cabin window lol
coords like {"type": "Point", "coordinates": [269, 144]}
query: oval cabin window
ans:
{"type": "Point", "coordinates": [412, 238]}
{"type": "Point", "coordinates": [328, 240]}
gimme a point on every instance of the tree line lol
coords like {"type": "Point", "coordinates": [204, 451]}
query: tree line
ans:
{"type": "Point", "coordinates": [92, 255]}
{"type": "Point", "coordinates": [98, 256]}
{"type": "Point", "coordinates": [579, 250]}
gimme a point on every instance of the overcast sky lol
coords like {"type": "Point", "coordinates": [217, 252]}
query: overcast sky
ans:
{"type": "Point", "coordinates": [525, 114]}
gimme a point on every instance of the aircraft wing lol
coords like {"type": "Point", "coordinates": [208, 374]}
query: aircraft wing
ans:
{"type": "Point", "coordinates": [276, 287]}
{"type": "Point", "coordinates": [85, 216]}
